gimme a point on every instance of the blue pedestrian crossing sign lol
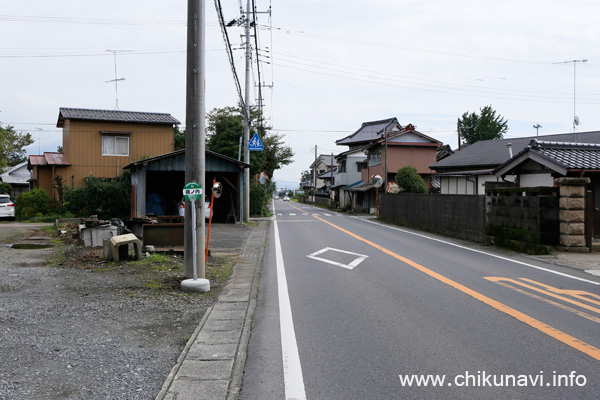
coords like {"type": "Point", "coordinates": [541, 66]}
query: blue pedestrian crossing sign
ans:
{"type": "Point", "coordinates": [255, 143]}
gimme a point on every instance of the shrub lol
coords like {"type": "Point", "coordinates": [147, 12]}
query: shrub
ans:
{"type": "Point", "coordinates": [105, 198]}
{"type": "Point", "coordinates": [32, 203]}
{"type": "Point", "coordinates": [410, 181]}
{"type": "Point", "coordinates": [258, 200]}
{"type": "Point", "coordinates": [5, 188]}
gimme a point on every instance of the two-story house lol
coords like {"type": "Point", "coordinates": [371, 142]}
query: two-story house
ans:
{"type": "Point", "coordinates": [406, 147]}
{"type": "Point", "coordinates": [387, 146]}
{"type": "Point", "coordinates": [322, 165]}
{"type": "Point", "coordinates": [348, 172]}
{"type": "Point", "coordinates": [100, 143]}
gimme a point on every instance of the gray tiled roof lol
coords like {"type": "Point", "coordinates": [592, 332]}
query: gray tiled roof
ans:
{"type": "Point", "coordinates": [492, 153]}
{"type": "Point", "coordinates": [570, 155]}
{"type": "Point", "coordinates": [115, 116]}
{"type": "Point", "coordinates": [368, 132]}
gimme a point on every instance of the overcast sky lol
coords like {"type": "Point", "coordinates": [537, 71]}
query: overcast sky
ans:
{"type": "Point", "coordinates": [332, 65]}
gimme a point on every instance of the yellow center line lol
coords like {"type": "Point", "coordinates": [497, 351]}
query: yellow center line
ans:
{"type": "Point", "coordinates": [562, 337]}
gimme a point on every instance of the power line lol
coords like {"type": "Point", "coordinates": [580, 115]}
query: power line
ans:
{"type": "Point", "coordinates": [90, 21]}
{"type": "Point", "coordinates": [407, 48]}
{"type": "Point", "coordinates": [229, 52]}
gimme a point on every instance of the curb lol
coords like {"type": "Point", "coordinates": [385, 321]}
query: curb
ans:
{"type": "Point", "coordinates": [213, 360]}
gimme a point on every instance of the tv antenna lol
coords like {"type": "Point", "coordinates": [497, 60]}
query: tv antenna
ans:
{"type": "Point", "coordinates": [575, 117]}
{"type": "Point", "coordinates": [116, 80]}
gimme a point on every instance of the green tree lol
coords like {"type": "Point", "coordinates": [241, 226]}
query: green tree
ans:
{"type": "Point", "coordinates": [12, 146]}
{"type": "Point", "coordinates": [410, 181]}
{"type": "Point", "coordinates": [225, 126]}
{"type": "Point", "coordinates": [178, 138]}
{"type": "Point", "coordinates": [484, 126]}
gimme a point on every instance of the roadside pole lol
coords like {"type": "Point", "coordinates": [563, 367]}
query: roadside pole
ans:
{"type": "Point", "coordinates": [195, 136]}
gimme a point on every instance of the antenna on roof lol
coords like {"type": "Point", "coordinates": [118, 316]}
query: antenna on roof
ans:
{"type": "Point", "coordinates": [575, 117]}
{"type": "Point", "coordinates": [116, 80]}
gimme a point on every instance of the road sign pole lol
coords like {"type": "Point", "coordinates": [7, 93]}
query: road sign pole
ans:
{"type": "Point", "coordinates": [192, 191]}
{"type": "Point", "coordinates": [195, 249]}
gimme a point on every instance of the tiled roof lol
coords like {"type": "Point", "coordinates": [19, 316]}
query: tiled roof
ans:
{"type": "Point", "coordinates": [570, 155]}
{"type": "Point", "coordinates": [114, 116]}
{"type": "Point", "coordinates": [369, 132]}
{"type": "Point", "coordinates": [492, 153]}
{"type": "Point", "coordinates": [559, 157]}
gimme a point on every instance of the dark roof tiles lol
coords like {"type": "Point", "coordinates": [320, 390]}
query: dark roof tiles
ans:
{"type": "Point", "coordinates": [369, 132]}
{"type": "Point", "coordinates": [492, 153]}
{"type": "Point", "coordinates": [571, 155]}
{"type": "Point", "coordinates": [114, 116]}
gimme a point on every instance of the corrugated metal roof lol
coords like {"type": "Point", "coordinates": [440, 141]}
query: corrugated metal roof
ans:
{"type": "Point", "coordinates": [175, 161]}
{"type": "Point", "coordinates": [114, 116]}
{"type": "Point", "coordinates": [49, 159]}
{"type": "Point", "coordinates": [361, 187]}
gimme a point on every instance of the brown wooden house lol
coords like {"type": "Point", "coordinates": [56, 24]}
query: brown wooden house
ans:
{"type": "Point", "coordinates": [100, 143]}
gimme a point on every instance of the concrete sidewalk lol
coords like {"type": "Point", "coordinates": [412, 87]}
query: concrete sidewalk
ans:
{"type": "Point", "coordinates": [588, 262]}
{"type": "Point", "coordinates": [211, 365]}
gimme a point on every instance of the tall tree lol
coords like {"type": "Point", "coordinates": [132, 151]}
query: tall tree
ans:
{"type": "Point", "coordinates": [12, 146]}
{"type": "Point", "coordinates": [224, 128]}
{"type": "Point", "coordinates": [484, 126]}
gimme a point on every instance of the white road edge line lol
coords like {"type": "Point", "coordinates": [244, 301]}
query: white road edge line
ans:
{"type": "Point", "coordinates": [292, 369]}
{"type": "Point", "coordinates": [482, 252]}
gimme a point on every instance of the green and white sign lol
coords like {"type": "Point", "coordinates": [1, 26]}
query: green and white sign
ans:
{"type": "Point", "coordinates": [192, 191]}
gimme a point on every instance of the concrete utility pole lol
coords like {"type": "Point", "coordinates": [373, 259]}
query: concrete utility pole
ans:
{"type": "Point", "coordinates": [315, 170]}
{"type": "Point", "coordinates": [195, 134]}
{"type": "Point", "coordinates": [247, 117]}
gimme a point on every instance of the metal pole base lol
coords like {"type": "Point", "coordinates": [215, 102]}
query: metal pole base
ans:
{"type": "Point", "coordinates": [195, 285]}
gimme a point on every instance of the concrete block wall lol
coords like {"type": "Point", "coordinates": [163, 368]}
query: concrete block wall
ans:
{"type": "Point", "coordinates": [523, 219]}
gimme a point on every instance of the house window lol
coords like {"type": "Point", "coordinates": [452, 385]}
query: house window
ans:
{"type": "Point", "coordinates": [342, 166]}
{"type": "Point", "coordinates": [115, 146]}
{"type": "Point", "coordinates": [375, 157]}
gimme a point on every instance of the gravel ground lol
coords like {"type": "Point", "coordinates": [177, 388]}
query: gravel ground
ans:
{"type": "Point", "coordinates": [82, 330]}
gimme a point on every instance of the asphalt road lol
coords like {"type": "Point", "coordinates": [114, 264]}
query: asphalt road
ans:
{"type": "Point", "coordinates": [372, 306]}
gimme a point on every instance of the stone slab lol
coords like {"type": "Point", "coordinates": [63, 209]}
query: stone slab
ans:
{"type": "Point", "coordinates": [194, 390]}
{"type": "Point", "coordinates": [204, 351]}
{"type": "Point", "coordinates": [218, 337]}
{"type": "Point", "coordinates": [205, 370]}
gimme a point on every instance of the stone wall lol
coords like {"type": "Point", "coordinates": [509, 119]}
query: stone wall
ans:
{"type": "Point", "coordinates": [572, 214]}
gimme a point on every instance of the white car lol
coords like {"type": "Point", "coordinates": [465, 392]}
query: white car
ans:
{"type": "Point", "coordinates": [181, 208]}
{"type": "Point", "coordinates": [7, 207]}
{"type": "Point", "coordinates": [286, 198]}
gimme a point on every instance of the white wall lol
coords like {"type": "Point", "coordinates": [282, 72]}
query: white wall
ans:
{"type": "Point", "coordinates": [474, 184]}
{"type": "Point", "coordinates": [534, 180]}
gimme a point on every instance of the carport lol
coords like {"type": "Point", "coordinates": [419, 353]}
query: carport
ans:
{"type": "Point", "coordinates": [157, 185]}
